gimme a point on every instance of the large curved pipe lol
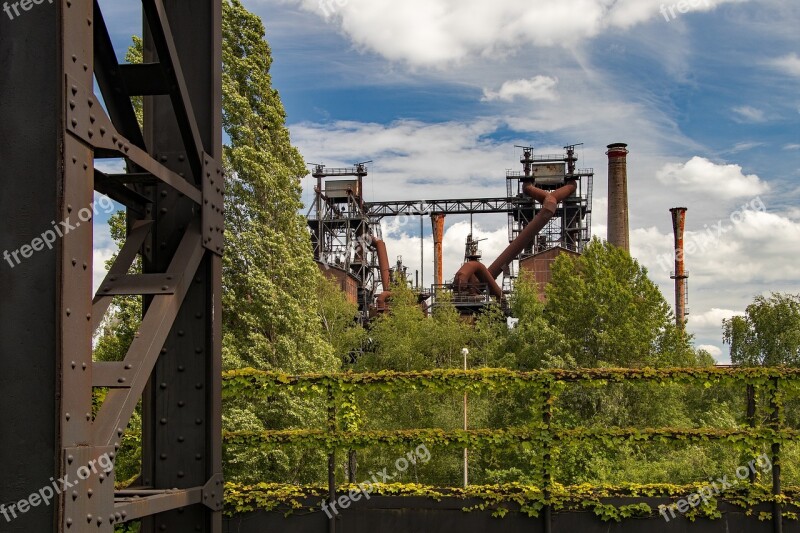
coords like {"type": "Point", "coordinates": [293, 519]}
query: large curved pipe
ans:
{"type": "Point", "coordinates": [383, 263]}
{"type": "Point", "coordinates": [549, 201]}
{"type": "Point", "coordinates": [476, 270]}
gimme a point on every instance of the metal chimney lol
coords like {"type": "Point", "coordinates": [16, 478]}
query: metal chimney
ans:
{"type": "Point", "coordinates": [618, 227]}
{"type": "Point", "coordinates": [438, 237]}
{"type": "Point", "coordinates": [681, 276]}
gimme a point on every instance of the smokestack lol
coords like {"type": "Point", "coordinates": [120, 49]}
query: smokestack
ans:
{"type": "Point", "coordinates": [680, 275]}
{"type": "Point", "coordinates": [438, 237]}
{"type": "Point", "coordinates": [618, 227]}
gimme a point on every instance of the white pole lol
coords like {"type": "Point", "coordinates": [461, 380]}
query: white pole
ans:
{"type": "Point", "coordinates": [465, 353]}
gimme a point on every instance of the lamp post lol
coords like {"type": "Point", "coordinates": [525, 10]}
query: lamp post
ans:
{"type": "Point", "coordinates": [465, 353]}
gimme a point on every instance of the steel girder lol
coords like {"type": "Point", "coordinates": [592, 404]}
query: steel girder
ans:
{"type": "Point", "coordinates": [52, 129]}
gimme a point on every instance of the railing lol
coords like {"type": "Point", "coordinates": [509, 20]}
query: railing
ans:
{"type": "Point", "coordinates": [546, 435]}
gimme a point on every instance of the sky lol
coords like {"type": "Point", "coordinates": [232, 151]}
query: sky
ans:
{"type": "Point", "coordinates": [438, 92]}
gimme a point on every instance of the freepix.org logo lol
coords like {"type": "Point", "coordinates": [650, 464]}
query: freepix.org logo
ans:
{"type": "Point", "coordinates": [48, 238]}
{"type": "Point", "coordinates": [15, 9]}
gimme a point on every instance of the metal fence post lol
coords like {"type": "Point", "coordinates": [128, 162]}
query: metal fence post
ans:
{"type": "Point", "coordinates": [777, 424]}
{"type": "Point", "coordinates": [547, 415]}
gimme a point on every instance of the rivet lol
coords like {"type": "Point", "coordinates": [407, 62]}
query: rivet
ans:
{"type": "Point", "coordinates": [88, 518]}
{"type": "Point", "coordinates": [163, 421]}
{"type": "Point", "coordinates": [181, 439]}
{"type": "Point", "coordinates": [74, 123]}
{"type": "Point", "coordinates": [198, 386]}
{"type": "Point", "coordinates": [74, 495]}
{"type": "Point", "coordinates": [121, 380]}
{"type": "Point", "coordinates": [198, 457]}
{"type": "Point", "coordinates": [70, 459]}
{"type": "Point", "coordinates": [88, 416]}
{"type": "Point", "coordinates": [198, 421]}
{"type": "Point", "coordinates": [181, 474]}
{"type": "Point", "coordinates": [181, 368]}
{"type": "Point", "coordinates": [163, 351]}
{"type": "Point", "coordinates": [128, 367]}
{"type": "Point", "coordinates": [181, 403]}
{"type": "Point", "coordinates": [163, 385]}
{"type": "Point", "coordinates": [69, 311]}
{"type": "Point", "coordinates": [90, 492]}
{"type": "Point", "coordinates": [67, 416]}
{"type": "Point", "coordinates": [73, 364]}
{"type": "Point", "coordinates": [69, 522]}
{"type": "Point", "coordinates": [163, 457]}
{"type": "Point", "coordinates": [181, 333]}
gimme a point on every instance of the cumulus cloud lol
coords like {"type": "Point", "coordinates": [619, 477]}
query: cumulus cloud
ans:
{"type": "Point", "coordinates": [788, 64]}
{"type": "Point", "coordinates": [715, 351]}
{"type": "Point", "coordinates": [537, 88]}
{"type": "Point", "coordinates": [439, 32]}
{"type": "Point", "coordinates": [701, 175]}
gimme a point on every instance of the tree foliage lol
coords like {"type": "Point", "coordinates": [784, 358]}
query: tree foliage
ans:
{"type": "Point", "coordinates": [768, 334]}
{"type": "Point", "coordinates": [610, 313]}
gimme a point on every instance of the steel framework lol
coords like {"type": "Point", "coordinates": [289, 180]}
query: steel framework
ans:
{"type": "Point", "coordinates": [342, 229]}
{"type": "Point", "coordinates": [53, 128]}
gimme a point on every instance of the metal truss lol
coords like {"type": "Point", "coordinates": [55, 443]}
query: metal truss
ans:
{"type": "Point", "coordinates": [53, 131]}
{"type": "Point", "coordinates": [442, 207]}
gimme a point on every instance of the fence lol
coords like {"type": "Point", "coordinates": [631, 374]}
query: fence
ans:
{"type": "Point", "coordinates": [770, 384]}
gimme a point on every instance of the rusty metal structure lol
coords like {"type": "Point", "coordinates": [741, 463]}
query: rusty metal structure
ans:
{"type": "Point", "coordinates": [536, 224]}
{"type": "Point", "coordinates": [556, 213]}
{"type": "Point", "coordinates": [680, 274]}
{"type": "Point", "coordinates": [618, 223]}
{"type": "Point", "coordinates": [54, 129]}
{"type": "Point", "coordinates": [344, 235]}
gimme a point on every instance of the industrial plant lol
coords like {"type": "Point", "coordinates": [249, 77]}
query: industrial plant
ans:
{"type": "Point", "coordinates": [549, 209]}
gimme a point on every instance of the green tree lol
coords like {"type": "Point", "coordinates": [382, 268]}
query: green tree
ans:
{"type": "Point", "coordinates": [270, 280]}
{"type": "Point", "coordinates": [340, 321]}
{"type": "Point", "coordinates": [768, 334]}
{"type": "Point", "coordinates": [609, 313]}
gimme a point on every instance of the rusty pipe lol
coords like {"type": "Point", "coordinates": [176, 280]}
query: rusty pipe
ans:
{"type": "Point", "coordinates": [383, 263]}
{"type": "Point", "coordinates": [477, 269]}
{"type": "Point", "coordinates": [680, 276]}
{"type": "Point", "coordinates": [438, 237]}
{"type": "Point", "coordinates": [549, 201]}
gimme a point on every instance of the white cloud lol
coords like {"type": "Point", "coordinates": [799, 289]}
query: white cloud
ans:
{"type": "Point", "coordinates": [792, 146]}
{"type": "Point", "coordinates": [744, 146]}
{"type": "Point", "coordinates": [748, 113]}
{"type": "Point", "coordinates": [701, 175]}
{"type": "Point", "coordinates": [104, 248]}
{"type": "Point", "coordinates": [441, 32]}
{"type": "Point", "coordinates": [788, 64]}
{"type": "Point", "coordinates": [715, 351]}
{"type": "Point", "coordinates": [537, 88]}
{"type": "Point", "coordinates": [712, 318]}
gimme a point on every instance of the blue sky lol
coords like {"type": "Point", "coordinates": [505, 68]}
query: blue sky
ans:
{"type": "Point", "coordinates": [438, 92]}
